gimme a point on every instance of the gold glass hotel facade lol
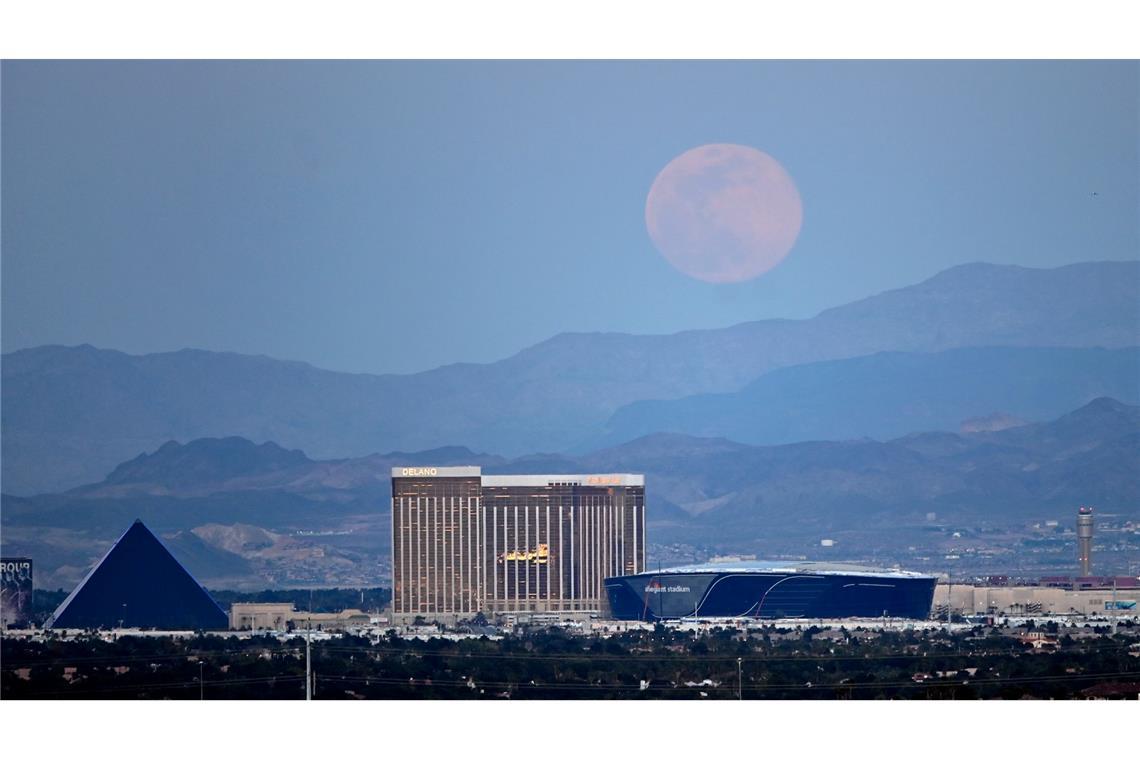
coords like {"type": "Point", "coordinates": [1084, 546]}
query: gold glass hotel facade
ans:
{"type": "Point", "coordinates": [464, 542]}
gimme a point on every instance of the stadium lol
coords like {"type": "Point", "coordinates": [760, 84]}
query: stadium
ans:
{"type": "Point", "coordinates": [770, 590]}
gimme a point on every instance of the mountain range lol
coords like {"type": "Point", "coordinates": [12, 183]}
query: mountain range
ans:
{"type": "Point", "coordinates": [71, 414]}
{"type": "Point", "coordinates": [887, 395]}
{"type": "Point", "coordinates": [246, 514]}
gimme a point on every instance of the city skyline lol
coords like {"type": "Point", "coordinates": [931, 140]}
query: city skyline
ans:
{"type": "Point", "coordinates": [859, 316]}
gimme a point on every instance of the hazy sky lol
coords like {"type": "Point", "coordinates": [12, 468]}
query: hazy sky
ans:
{"type": "Point", "coordinates": [390, 217]}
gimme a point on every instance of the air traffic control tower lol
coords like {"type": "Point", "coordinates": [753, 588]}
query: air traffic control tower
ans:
{"type": "Point", "coordinates": [1084, 540]}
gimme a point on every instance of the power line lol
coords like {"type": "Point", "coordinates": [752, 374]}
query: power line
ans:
{"type": "Point", "coordinates": [676, 657]}
{"type": "Point", "coordinates": [563, 686]}
{"type": "Point", "coordinates": [580, 656]}
{"type": "Point", "coordinates": [721, 687]}
{"type": "Point", "coordinates": [170, 685]}
{"type": "Point", "coordinates": [144, 658]}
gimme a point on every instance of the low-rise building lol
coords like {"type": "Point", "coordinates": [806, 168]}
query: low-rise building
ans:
{"type": "Point", "coordinates": [260, 616]}
{"type": "Point", "coordinates": [281, 616]}
{"type": "Point", "coordinates": [1035, 600]}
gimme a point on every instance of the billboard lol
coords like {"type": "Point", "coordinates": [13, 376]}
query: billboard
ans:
{"type": "Point", "coordinates": [15, 591]}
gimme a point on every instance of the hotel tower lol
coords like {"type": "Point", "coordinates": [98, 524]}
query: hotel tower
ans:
{"type": "Point", "coordinates": [464, 542]}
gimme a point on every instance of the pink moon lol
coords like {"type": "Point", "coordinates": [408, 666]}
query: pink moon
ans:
{"type": "Point", "coordinates": [723, 213]}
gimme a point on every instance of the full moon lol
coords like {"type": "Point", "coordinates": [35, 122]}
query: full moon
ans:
{"type": "Point", "coordinates": [723, 213]}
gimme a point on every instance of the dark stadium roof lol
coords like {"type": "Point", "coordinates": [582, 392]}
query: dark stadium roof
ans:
{"type": "Point", "coordinates": [802, 566]}
{"type": "Point", "coordinates": [139, 584]}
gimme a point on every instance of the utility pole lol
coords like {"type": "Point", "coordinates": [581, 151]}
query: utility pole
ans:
{"type": "Point", "coordinates": [1114, 613]}
{"type": "Point", "coordinates": [739, 678]}
{"type": "Point", "coordinates": [308, 664]}
{"type": "Point", "coordinates": [949, 599]}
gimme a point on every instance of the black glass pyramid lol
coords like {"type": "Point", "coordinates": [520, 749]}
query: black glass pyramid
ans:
{"type": "Point", "coordinates": [139, 584]}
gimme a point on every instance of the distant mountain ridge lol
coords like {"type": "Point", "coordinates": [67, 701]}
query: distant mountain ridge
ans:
{"type": "Point", "coordinates": [232, 465]}
{"type": "Point", "coordinates": [210, 460]}
{"type": "Point", "coordinates": [699, 490]}
{"type": "Point", "coordinates": [887, 395]}
{"type": "Point", "coordinates": [71, 414]}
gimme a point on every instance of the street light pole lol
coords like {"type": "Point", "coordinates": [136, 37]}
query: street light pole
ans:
{"type": "Point", "coordinates": [201, 681]}
{"type": "Point", "coordinates": [1115, 614]}
{"type": "Point", "coordinates": [950, 600]}
{"type": "Point", "coordinates": [739, 678]}
{"type": "Point", "coordinates": [308, 668]}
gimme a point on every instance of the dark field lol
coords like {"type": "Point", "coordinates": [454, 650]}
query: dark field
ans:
{"type": "Point", "coordinates": [986, 663]}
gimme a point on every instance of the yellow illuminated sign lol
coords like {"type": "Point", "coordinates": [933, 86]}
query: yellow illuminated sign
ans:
{"type": "Point", "coordinates": [539, 557]}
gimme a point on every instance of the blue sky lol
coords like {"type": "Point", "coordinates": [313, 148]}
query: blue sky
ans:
{"type": "Point", "coordinates": [395, 216]}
